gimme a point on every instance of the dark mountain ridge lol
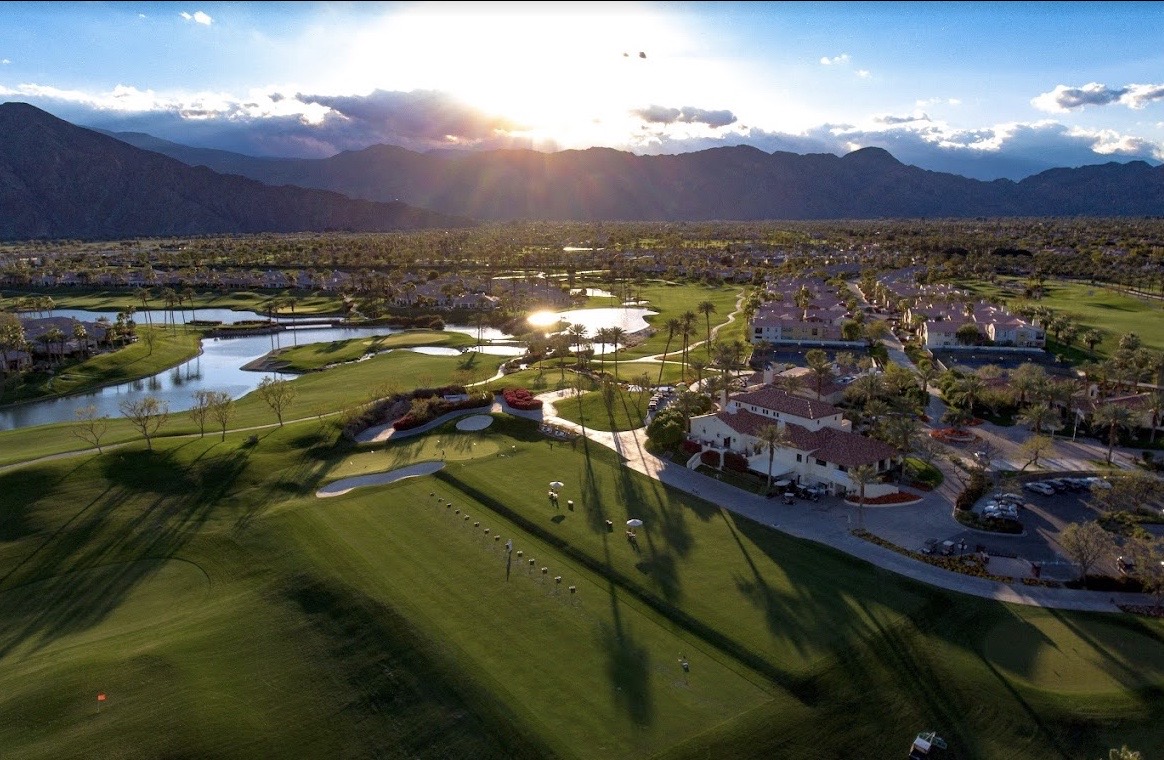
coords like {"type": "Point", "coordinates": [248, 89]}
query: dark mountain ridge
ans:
{"type": "Point", "coordinates": [740, 183]}
{"type": "Point", "coordinates": [58, 180]}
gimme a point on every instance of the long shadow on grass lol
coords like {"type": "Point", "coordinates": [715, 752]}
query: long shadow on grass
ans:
{"type": "Point", "coordinates": [402, 696]}
{"type": "Point", "coordinates": [149, 511]}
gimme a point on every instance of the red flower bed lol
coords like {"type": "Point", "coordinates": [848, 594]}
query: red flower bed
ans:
{"type": "Point", "coordinates": [734, 461]}
{"type": "Point", "coordinates": [901, 497]}
{"type": "Point", "coordinates": [710, 458]}
{"type": "Point", "coordinates": [520, 398]}
{"type": "Point", "coordinates": [952, 434]}
{"type": "Point", "coordinates": [690, 447]}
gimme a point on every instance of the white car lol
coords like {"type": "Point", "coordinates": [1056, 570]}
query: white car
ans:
{"type": "Point", "coordinates": [1042, 488]}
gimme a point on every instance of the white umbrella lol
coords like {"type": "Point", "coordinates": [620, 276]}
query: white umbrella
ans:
{"type": "Point", "coordinates": [556, 484]}
{"type": "Point", "coordinates": [634, 522]}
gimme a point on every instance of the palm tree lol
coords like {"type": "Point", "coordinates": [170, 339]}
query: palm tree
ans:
{"type": "Point", "coordinates": [772, 436]}
{"type": "Point", "coordinates": [818, 362]}
{"type": "Point", "coordinates": [577, 333]}
{"type": "Point", "coordinates": [561, 343]}
{"type": "Point", "coordinates": [687, 329]}
{"type": "Point", "coordinates": [926, 371]}
{"type": "Point", "coordinates": [616, 335]}
{"type": "Point", "coordinates": [1039, 416]}
{"type": "Point", "coordinates": [673, 326]}
{"type": "Point", "coordinates": [967, 390]}
{"type": "Point", "coordinates": [1156, 407]}
{"type": "Point", "coordinates": [81, 335]}
{"type": "Point", "coordinates": [707, 308]}
{"type": "Point", "coordinates": [602, 338]}
{"type": "Point", "coordinates": [698, 365]}
{"type": "Point", "coordinates": [169, 297]}
{"type": "Point", "coordinates": [862, 475]}
{"type": "Point", "coordinates": [144, 294]}
{"type": "Point", "coordinates": [1113, 417]}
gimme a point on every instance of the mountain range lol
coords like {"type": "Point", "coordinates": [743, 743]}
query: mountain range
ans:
{"type": "Point", "coordinates": [737, 183]}
{"type": "Point", "coordinates": [60, 180]}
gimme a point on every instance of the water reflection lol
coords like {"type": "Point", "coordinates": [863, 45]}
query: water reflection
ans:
{"type": "Point", "coordinates": [219, 367]}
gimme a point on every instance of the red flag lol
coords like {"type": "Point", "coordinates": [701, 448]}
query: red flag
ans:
{"type": "Point", "coordinates": [100, 696]}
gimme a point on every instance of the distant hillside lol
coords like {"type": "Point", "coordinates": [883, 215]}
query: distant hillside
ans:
{"type": "Point", "coordinates": [58, 180]}
{"type": "Point", "coordinates": [722, 183]}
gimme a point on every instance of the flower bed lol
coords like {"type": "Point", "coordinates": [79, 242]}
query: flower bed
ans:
{"type": "Point", "coordinates": [437, 407]}
{"type": "Point", "coordinates": [520, 398]}
{"type": "Point", "coordinates": [691, 447]}
{"type": "Point", "coordinates": [734, 461]}
{"type": "Point", "coordinates": [952, 435]}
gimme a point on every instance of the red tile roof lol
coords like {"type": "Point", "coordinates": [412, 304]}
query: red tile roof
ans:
{"type": "Point", "coordinates": [829, 444]}
{"type": "Point", "coordinates": [780, 401]}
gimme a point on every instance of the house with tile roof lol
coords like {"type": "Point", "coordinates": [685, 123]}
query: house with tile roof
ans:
{"type": "Point", "coordinates": [822, 447]}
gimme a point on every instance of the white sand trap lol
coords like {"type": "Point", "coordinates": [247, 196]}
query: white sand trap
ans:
{"type": "Point", "coordinates": [340, 487]}
{"type": "Point", "coordinates": [476, 422]}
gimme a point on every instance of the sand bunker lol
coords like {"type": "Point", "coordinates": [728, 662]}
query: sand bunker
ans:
{"type": "Point", "coordinates": [476, 422]}
{"type": "Point", "coordinates": [340, 487]}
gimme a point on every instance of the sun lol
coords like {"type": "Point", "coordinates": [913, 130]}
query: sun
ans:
{"type": "Point", "coordinates": [563, 73]}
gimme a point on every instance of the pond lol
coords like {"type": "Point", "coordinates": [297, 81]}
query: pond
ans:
{"type": "Point", "coordinates": [631, 319]}
{"type": "Point", "coordinates": [219, 367]}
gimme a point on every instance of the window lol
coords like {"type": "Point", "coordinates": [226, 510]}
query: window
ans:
{"type": "Point", "coordinates": [822, 463]}
{"type": "Point", "coordinates": [799, 458]}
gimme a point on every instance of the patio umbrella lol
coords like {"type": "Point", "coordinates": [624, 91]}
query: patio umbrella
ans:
{"type": "Point", "coordinates": [556, 484]}
{"type": "Point", "coordinates": [634, 522]}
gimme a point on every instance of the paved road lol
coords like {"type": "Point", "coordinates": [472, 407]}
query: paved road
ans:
{"type": "Point", "coordinates": [830, 521]}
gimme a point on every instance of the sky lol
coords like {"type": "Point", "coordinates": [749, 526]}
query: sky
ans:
{"type": "Point", "coordinates": [986, 90]}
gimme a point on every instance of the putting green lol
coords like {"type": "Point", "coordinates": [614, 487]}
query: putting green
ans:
{"type": "Point", "coordinates": [1079, 656]}
{"type": "Point", "coordinates": [451, 448]}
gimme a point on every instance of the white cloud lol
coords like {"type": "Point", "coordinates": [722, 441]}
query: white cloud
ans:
{"type": "Point", "coordinates": [198, 17]}
{"type": "Point", "coordinates": [864, 73]}
{"type": "Point", "coordinates": [1063, 98]}
{"type": "Point", "coordinates": [5, 62]}
{"type": "Point", "coordinates": [837, 60]}
{"type": "Point", "coordinates": [937, 102]}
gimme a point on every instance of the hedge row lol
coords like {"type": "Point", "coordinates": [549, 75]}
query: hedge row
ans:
{"type": "Point", "coordinates": [439, 407]}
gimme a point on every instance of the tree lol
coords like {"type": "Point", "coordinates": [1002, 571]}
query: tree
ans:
{"type": "Point", "coordinates": [926, 371]}
{"type": "Point", "coordinates": [1033, 448]}
{"type": "Point", "coordinates": [91, 427]}
{"type": "Point", "coordinates": [1039, 416]}
{"type": "Point", "coordinates": [673, 326]}
{"type": "Point", "coordinates": [818, 361]}
{"type": "Point", "coordinates": [278, 394]}
{"type": "Point", "coordinates": [1091, 338]}
{"type": "Point", "coordinates": [1085, 544]}
{"type": "Point", "coordinates": [686, 330]}
{"type": "Point", "coordinates": [221, 407]}
{"type": "Point", "coordinates": [616, 335]}
{"type": "Point", "coordinates": [967, 334]}
{"type": "Point", "coordinates": [11, 338]}
{"type": "Point", "coordinates": [875, 331]}
{"type": "Point", "coordinates": [81, 335]}
{"type": "Point", "coordinates": [1147, 555]}
{"type": "Point", "coordinates": [201, 410]}
{"type": "Point", "coordinates": [707, 308]}
{"type": "Point", "coordinates": [144, 294]}
{"type": "Point", "coordinates": [1123, 753]}
{"type": "Point", "coordinates": [148, 415]}
{"type": "Point", "coordinates": [862, 475]}
{"type": "Point", "coordinates": [1112, 417]}
{"type": "Point", "coordinates": [773, 437]}
{"type": "Point", "coordinates": [577, 333]}
{"type": "Point", "coordinates": [667, 429]}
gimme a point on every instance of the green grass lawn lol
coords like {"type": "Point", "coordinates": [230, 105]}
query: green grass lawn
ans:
{"type": "Point", "coordinates": [1094, 306]}
{"type": "Point", "coordinates": [227, 612]}
{"type": "Point", "coordinates": [137, 360]}
{"type": "Point", "coordinates": [671, 301]}
{"type": "Point", "coordinates": [625, 411]}
{"type": "Point", "coordinates": [316, 394]}
{"type": "Point", "coordinates": [241, 300]}
{"type": "Point", "coordinates": [318, 355]}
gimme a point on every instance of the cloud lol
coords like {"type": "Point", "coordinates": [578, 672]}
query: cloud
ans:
{"type": "Point", "coordinates": [864, 73]}
{"type": "Point", "coordinates": [198, 17]}
{"type": "Point", "coordinates": [836, 60]}
{"type": "Point", "coordinates": [5, 62]}
{"type": "Point", "coordinates": [686, 115]}
{"type": "Point", "coordinates": [1063, 98]}
{"type": "Point", "coordinates": [890, 119]}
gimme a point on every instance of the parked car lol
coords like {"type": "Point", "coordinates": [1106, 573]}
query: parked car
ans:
{"type": "Point", "coordinates": [1040, 488]}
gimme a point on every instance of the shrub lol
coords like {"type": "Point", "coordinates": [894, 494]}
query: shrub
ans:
{"type": "Point", "coordinates": [691, 447]}
{"type": "Point", "coordinates": [711, 459]}
{"type": "Point", "coordinates": [975, 490]}
{"type": "Point", "coordinates": [520, 398]}
{"type": "Point", "coordinates": [734, 461]}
